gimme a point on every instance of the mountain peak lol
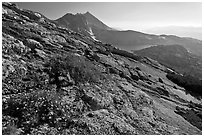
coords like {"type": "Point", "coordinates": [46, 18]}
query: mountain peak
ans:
{"type": "Point", "coordinates": [86, 22]}
{"type": "Point", "coordinates": [88, 13]}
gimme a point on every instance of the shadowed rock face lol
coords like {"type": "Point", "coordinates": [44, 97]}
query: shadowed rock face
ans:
{"type": "Point", "coordinates": [57, 81]}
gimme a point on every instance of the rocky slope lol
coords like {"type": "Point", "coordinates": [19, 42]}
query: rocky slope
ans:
{"type": "Point", "coordinates": [57, 81]}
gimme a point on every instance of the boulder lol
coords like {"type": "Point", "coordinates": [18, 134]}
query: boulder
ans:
{"type": "Point", "coordinates": [134, 74]}
{"type": "Point", "coordinates": [160, 80]}
{"type": "Point", "coordinates": [162, 91]}
{"type": "Point", "coordinates": [33, 44]}
{"type": "Point", "coordinates": [113, 70]}
{"type": "Point", "coordinates": [142, 75]}
{"type": "Point", "coordinates": [96, 99]}
{"type": "Point", "coordinates": [41, 53]}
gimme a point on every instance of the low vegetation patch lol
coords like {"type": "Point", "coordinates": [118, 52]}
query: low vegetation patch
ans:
{"type": "Point", "coordinates": [80, 69]}
{"type": "Point", "coordinates": [192, 84]}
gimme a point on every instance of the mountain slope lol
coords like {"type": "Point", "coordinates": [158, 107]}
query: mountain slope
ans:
{"type": "Point", "coordinates": [179, 59]}
{"type": "Point", "coordinates": [175, 57]}
{"type": "Point", "coordinates": [92, 21]}
{"type": "Point", "coordinates": [83, 23]}
{"type": "Point", "coordinates": [75, 22]}
{"type": "Point", "coordinates": [128, 40]}
{"type": "Point", "coordinates": [59, 82]}
{"type": "Point", "coordinates": [133, 40]}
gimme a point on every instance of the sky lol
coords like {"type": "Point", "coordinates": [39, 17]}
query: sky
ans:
{"type": "Point", "coordinates": [127, 15]}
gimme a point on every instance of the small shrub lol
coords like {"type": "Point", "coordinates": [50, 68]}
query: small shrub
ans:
{"type": "Point", "coordinates": [80, 69]}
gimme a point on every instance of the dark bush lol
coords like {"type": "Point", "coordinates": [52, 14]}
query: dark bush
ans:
{"type": "Point", "coordinates": [192, 84]}
{"type": "Point", "coordinates": [79, 68]}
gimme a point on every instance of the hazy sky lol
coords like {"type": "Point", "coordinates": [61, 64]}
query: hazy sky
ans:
{"type": "Point", "coordinates": [135, 16]}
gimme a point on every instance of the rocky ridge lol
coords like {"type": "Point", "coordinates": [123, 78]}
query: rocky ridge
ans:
{"type": "Point", "coordinates": [57, 81]}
